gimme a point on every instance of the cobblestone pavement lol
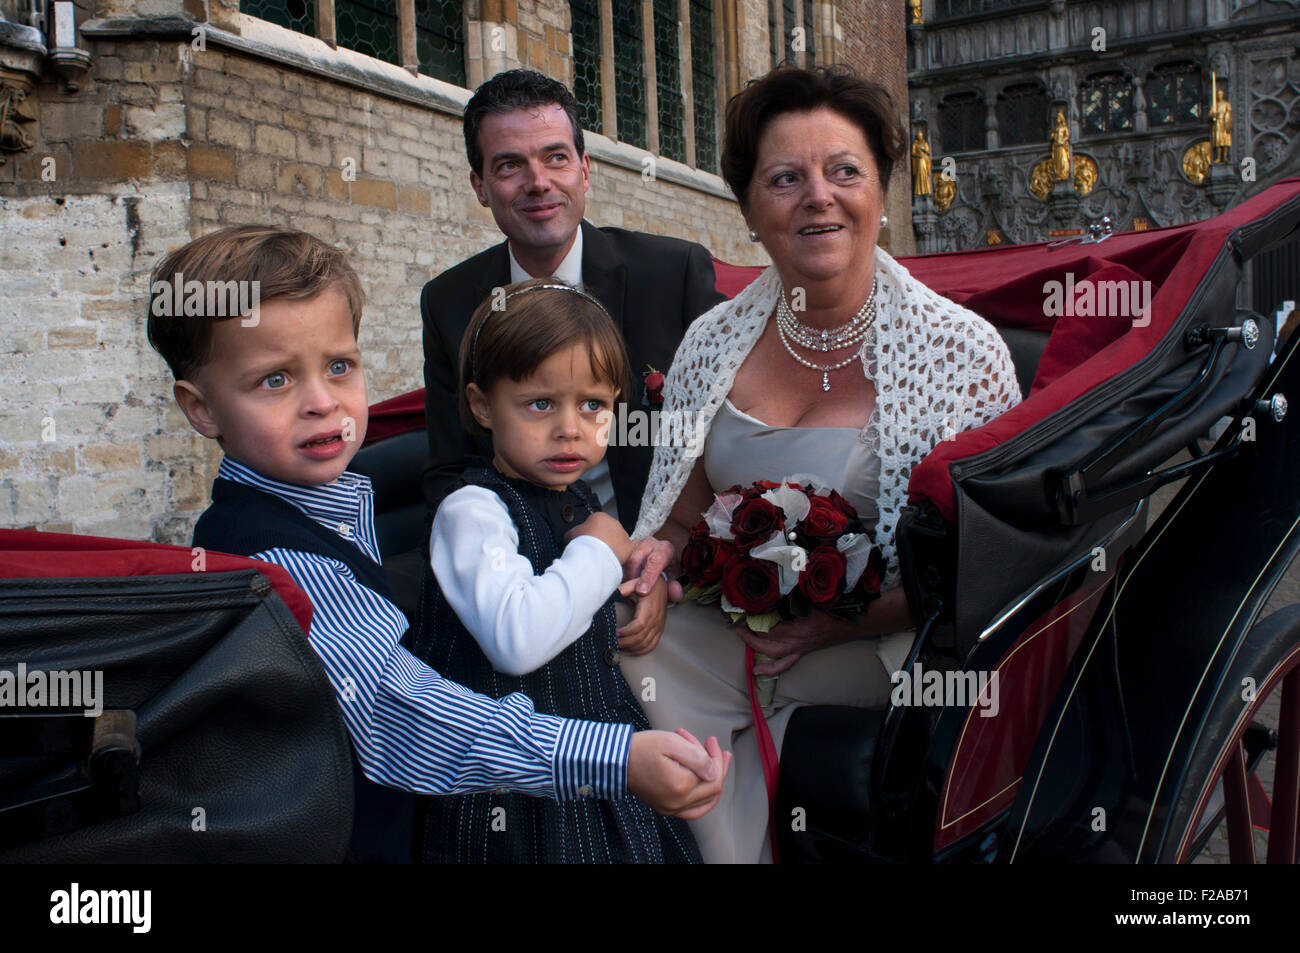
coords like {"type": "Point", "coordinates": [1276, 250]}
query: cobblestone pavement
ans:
{"type": "Point", "coordinates": [1287, 593]}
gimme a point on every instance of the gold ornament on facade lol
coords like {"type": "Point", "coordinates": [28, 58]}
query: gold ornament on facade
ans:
{"type": "Point", "coordinates": [1040, 179]}
{"type": "Point", "coordinates": [1085, 175]}
{"type": "Point", "coordinates": [945, 190]}
{"type": "Point", "coordinates": [1196, 161]}
{"type": "Point", "coordinates": [1060, 148]}
{"type": "Point", "coordinates": [916, 10]}
{"type": "Point", "coordinates": [1220, 121]}
{"type": "Point", "coordinates": [920, 164]}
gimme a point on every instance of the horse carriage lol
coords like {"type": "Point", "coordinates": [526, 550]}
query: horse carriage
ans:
{"type": "Point", "coordinates": [1124, 678]}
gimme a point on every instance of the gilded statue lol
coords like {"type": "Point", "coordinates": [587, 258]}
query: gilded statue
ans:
{"type": "Point", "coordinates": [1221, 126]}
{"type": "Point", "coordinates": [1060, 148]}
{"type": "Point", "coordinates": [920, 164]}
{"type": "Point", "coordinates": [1040, 178]}
{"type": "Point", "coordinates": [1085, 175]}
{"type": "Point", "coordinates": [916, 10]}
{"type": "Point", "coordinates": [1196, 161]}
{"type": "Point", "coordinates": [944, 192]}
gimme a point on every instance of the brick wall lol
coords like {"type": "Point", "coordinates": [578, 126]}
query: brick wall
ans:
{"type": "Point", "coordinates": [875, 44]}
{"type": "Point", "coordinates": [167, 143]}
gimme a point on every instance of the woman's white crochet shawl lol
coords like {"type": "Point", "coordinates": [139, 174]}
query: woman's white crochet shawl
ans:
{"type": "Point", "coordinates": [939, 369]}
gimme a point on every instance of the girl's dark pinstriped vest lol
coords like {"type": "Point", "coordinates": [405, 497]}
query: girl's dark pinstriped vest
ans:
{"type": "Point", "coordinates": [583, 682]}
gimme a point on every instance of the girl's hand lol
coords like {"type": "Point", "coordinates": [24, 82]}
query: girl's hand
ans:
{"type": "Point", "coordinates": [606, 529]}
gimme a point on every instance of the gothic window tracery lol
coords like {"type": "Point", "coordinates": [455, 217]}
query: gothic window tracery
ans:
{"type": "Point", "coordinates": [1106, 102]}
{"type": "Point", "coordinates": [1175, 94]}
{"type": "Point", "coordinates": [961, 122]}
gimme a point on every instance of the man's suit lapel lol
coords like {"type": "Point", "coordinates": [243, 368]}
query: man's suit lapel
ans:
{"type": "Point", "coordinates": [495, 274]}
{"type": "Point", "coordinates": [604, 275]}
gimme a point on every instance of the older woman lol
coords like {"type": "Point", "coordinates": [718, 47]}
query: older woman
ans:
{"type": "Point", "coordinates": [835, 362]}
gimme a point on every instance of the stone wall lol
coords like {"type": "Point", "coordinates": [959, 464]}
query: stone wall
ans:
{"type": "Point", "coordinates": [165, 142]}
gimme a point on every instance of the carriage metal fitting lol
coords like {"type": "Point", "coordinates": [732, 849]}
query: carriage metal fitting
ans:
{"type": "Point", "coordinates": [1099, 231]}
{"type": "Point", "coordinates": [1275, 407]}
{"type": "Point", "coordinates": [1248, 334]}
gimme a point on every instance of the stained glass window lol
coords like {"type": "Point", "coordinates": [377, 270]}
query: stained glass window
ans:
{"type": "Point", "coordinates": [1107, 103]}
{"type": "Point", "coordinates": [297, 15]}
{"type": "Point", "coordinates": [1176, 93]}
{"type": "Point", "coordinates": [961, 122]}
{"type": "Point", "coordinates": [585, 16]}
{"type": "Point", "coordinates": [1022, 114]}
{"type": "Point", "coordinates": [367, 26]}
{"type": "Point", "coordinates": [704, 85]}
{"type": "Point", "coordinates": [440, 39]}
{"type": "Point", "coordinates": [629, 75]}
{"type": "Point", "coordinates": [668, 80]}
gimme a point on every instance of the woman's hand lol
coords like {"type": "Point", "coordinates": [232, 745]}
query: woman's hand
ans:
{"type": "Point", "coordinates": [789, 640]}
{"type": "Point", "coordinates": [649, 559]}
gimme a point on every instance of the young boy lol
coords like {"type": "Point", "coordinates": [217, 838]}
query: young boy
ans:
{"type": "Point", "coordinates": [280, 387]}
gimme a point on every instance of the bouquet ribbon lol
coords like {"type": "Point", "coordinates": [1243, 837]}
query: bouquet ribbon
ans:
{"type": "Point", "coordinates": [766, 752]}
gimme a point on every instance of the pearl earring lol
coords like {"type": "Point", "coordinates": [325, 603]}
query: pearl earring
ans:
{"type": "Point", "coordinates": [884, 220]}
{"type": "Point", "coordinates": [753, 235]}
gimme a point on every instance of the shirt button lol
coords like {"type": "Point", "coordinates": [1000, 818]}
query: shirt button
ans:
{"type": "Point", "coordinates": [344, 529]}
{"type": "Point", "coordinates": [612, 658]}
{"type": "Point", "coordinates": [586, 791]}
{"type": "Point", "coordinates": [566, 513]}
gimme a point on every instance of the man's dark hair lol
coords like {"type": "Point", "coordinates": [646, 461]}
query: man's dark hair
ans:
{"type": "Point", "coordinates": [511, 90]}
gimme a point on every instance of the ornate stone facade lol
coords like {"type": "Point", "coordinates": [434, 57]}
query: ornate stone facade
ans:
{"type": "Point", "coordinates": [1134, 80]}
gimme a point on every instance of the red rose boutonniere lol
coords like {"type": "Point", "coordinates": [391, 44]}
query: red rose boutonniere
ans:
{"type": "Point", "coordinates": [654, 387]}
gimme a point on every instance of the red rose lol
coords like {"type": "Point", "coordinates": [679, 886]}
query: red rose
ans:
{"type": "Point", "coordinates": [754, 522]}
{"type": "Point", "coordinates": [654, 388]}
{"type": "Point", "coordinates": [703, 558]}
{"type": "Point", "coordinates": [874, 575]}
{"type": "Point", "coordinates": [823, 577]}
{"type": "Point", "coordinates": [750, 584]}
{"type": "Point", "coordinates": [844, 505]}
{"type": "Point", "coordinates": [766, 485]}
{"type": "Point", "coordinates": [825, 521]}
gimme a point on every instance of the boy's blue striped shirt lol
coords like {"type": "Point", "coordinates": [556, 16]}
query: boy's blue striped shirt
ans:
{"type": "Point", "coordinates": [413, 729]}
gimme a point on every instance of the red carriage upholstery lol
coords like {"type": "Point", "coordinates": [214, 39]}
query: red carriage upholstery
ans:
{"type": "Point", "coordinates": [26, 554]}
{"type": "Point", "coordinates": [1005, 286]}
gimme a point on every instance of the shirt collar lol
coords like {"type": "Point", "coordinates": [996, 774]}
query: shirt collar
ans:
{"type": "Point", "coordinates": [569, 271]}
{"type": "Point", "coordinates": [344, 506]}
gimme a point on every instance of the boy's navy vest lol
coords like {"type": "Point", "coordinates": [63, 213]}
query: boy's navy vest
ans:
{"type": "Point", "coordinates": [583, 682]}
{"type": "Point", "coordinates": [243, 520]}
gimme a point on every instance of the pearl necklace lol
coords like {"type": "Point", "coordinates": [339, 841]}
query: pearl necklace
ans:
{"type": "Point", "coordinates": [789, 328]}
{"type": "Point", "coordinates": [830, 339]}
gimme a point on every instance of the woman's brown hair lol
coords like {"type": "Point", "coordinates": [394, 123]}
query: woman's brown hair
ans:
{"type": "Point", "coordinates": [519, 326]}
{"type": "Point", "coordinates": [789, 89]}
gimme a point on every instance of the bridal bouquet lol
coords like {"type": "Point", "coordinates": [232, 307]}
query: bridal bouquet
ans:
{"type": "Point", "coordinates": [773, 552]}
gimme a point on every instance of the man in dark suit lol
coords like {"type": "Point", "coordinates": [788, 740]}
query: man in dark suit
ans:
{"type": "Point", "coordinates": [528, 165]}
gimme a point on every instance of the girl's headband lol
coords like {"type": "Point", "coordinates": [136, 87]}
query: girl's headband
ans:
{"type": "Point", "coordinates": [473, 350]}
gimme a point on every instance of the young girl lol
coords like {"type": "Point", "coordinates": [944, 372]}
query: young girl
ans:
{"type": "Point", "coordinates": [523, 570]}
